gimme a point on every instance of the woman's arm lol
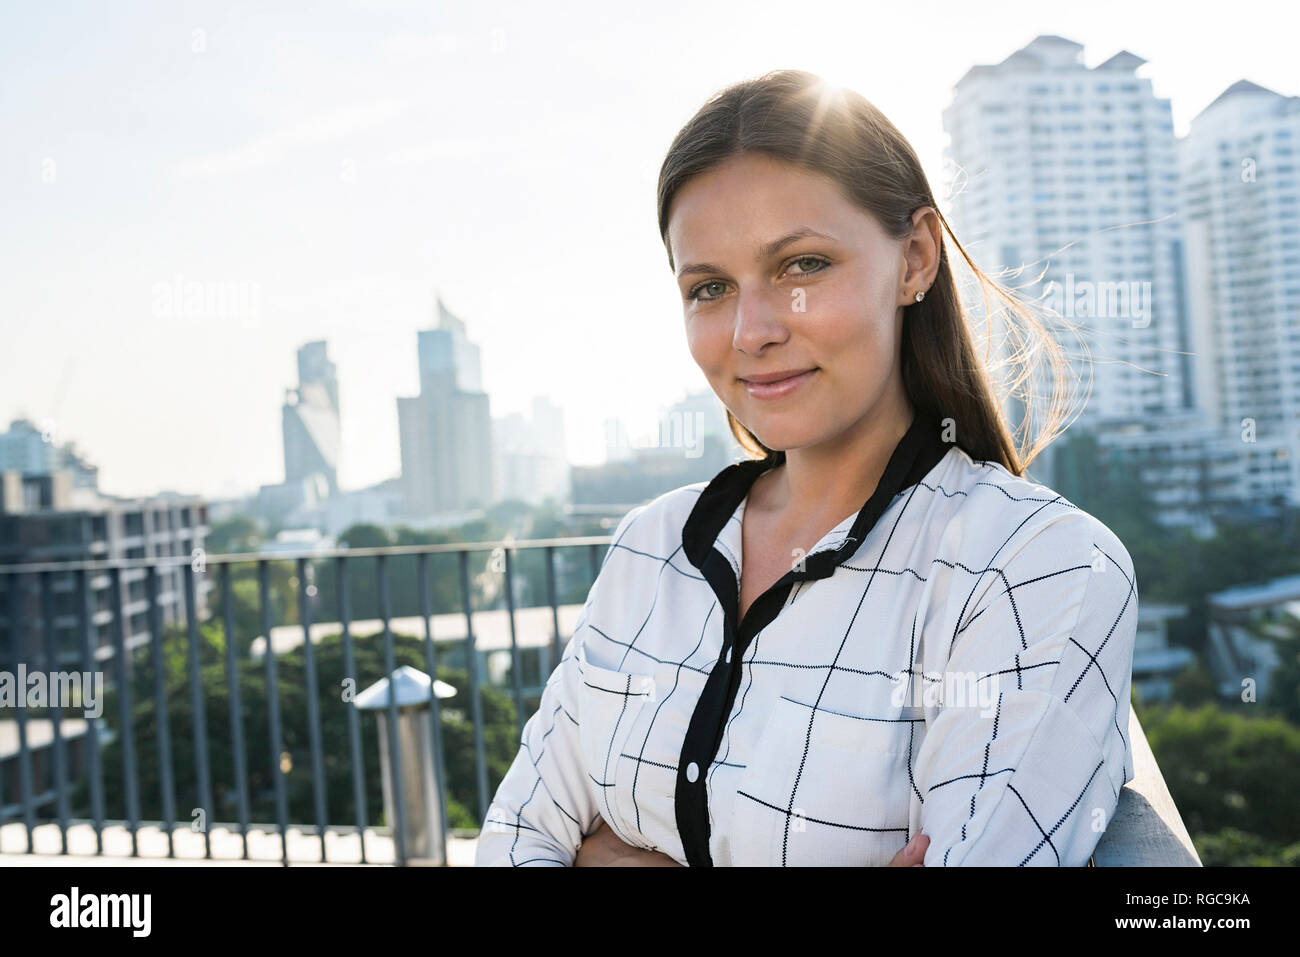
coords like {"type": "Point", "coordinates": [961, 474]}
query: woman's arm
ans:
{"type": "Point", "coordinates": [1030, 775]}
{"type": "Point", "coordinates": [604, 848]}
{"type": "Point", "coordinates": [545, 804]}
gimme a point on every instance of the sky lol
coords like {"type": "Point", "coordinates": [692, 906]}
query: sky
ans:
{"type": "Point", "coordinates": [333, 166]}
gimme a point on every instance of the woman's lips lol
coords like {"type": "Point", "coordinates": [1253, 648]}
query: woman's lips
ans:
{"type": "Point", "coordinates": [778, 389]}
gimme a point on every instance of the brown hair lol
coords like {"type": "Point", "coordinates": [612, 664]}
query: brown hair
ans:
{"type": "Point", "coordinates": [794, 116]}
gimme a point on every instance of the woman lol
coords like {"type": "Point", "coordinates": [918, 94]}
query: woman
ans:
{"type": "Point", "coordinates": [874, 630]}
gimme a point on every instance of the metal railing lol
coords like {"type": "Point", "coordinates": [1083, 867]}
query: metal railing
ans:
{"type": "Point", "coordinates": [1147, 830]}
{"type": "Point", "coordinates": [55, 791]}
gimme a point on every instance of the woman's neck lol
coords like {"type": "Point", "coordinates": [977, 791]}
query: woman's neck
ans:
{"type": "Point", "coordinates": [822, 484]}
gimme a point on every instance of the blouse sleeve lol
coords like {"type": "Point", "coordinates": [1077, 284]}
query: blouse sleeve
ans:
{"type": "Point", "coordinates": [545, 804]}
{"type": "Point", "coordinates": [1027, 770]}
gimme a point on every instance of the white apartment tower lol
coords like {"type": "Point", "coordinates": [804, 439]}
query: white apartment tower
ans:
{"type": "Point", "coordinates": [1070, 172]}
{"type": "Point", "coordinates": [1240, 172]}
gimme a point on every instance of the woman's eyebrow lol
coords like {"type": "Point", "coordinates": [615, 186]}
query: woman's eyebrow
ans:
{"type": "Point", "coordinates": [764, 252]}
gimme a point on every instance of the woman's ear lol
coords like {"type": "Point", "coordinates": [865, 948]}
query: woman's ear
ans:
{"type": "Point", "coordinates": [920, 254]}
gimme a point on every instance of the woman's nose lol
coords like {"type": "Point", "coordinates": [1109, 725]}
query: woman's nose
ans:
{"type": "Point", "coordinates": [760, 320]}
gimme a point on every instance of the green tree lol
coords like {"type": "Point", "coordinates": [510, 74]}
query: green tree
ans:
{"type": "Point", "coordinates": [1232, 847]}
{"type": "Point", "coordinates": [1228, 771]}
{"type": "Point", "coordinates": [234, 535]}
{"type": "Point", "coordinates": [245, 596]}
{"type": "Point", "coordinates": [1284, 683]}
{"type": "Point", "coordinates": [501, 741]}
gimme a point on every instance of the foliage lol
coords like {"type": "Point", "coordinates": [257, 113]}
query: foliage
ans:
{"type": "Point", "coordinates": [1284, 682]}
{"type": "Point", "coordinates": [1229, 772]}
{"type": "Point", "coordinates": [500, 734]}
{"type": "Point", "coordinates": [234, 535]}
{"type": "Point", "coordinates": [1232, 847]}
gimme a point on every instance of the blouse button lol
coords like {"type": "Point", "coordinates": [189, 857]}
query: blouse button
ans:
{"type": "Point", "coordinates": [692, 772]}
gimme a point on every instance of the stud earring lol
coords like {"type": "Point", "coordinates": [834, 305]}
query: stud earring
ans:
{"type": "Point", "coordinates": [920, 296]}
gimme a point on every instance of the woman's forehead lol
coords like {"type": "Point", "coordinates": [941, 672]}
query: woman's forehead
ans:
{"type": "Point", "coordinates": [760, 221]}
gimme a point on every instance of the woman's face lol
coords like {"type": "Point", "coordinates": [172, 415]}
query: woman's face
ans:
{"type": "Point", "coordinates": [822, 309]}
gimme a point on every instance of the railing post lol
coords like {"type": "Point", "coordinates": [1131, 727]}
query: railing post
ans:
{"type": "Point", "coordinates": [124, 712]}
{"type": "Point", "coordinates": [160, 703]}
{"type": "Point", "coordinates": [90, 665]}
{"type": "Point", "coordinates": [476, 702]}
{"type": "Point", "coordinates": [385, 612]}
{"type": "Point", "coordinates": [236, 711]}
{"type": "Point", "coordinates": [354, 720]}
{"type": "Point", "coordinates": [435, 710]}
{"type": "Point", "coordinates": [273, 708]}
{"type": "Point", "coordinates": [56, 710]}
{"type": "Point", "coordinates": [26, 779]}
{"type": "Point", "coordinates": [313, 706]}
{"type": "Point", "coordinates": [516, 679]}
{"type": "Point", "coordinates": [557, 647]}
{"type": "Point", "coordinates": [200, 715]}
{"type": "Point", "coordinates": [26, 784]}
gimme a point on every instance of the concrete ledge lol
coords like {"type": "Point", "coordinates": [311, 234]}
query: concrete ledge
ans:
{"type": "Point", "coordinates": [342, 846]}
{"type": "Point", "coordinates": [1147, 830]}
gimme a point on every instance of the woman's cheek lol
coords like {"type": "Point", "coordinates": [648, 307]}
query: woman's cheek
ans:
{"type": "Point", "coordinates": [694, 345]}
{"type": "Point", "coordinates": [707, 346]}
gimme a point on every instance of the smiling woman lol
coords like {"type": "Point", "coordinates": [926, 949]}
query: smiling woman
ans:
{"type": "Point", "coordinates": [757, 675]}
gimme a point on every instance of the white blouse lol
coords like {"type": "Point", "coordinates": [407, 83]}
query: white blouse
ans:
{"type": "Point", "coordinates": [954, 658]}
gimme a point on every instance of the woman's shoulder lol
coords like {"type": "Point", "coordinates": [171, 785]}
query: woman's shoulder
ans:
{"type": "Point", "coordinates": [1026, 572]}
{"type": "Point", "coordinates": [991, 504]}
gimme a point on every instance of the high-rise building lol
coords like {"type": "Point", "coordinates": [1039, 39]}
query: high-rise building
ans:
{"type": "Point", "coordinates": [1070, 172]}
{"type": "Point", "coordinates": [690, 442]}
{"type": "Point", "coordinates": [446, 430]}
{"type": "Point", "coordinates": [1240, 211]}
{"type": "Point", "coordinates": [531, 456]}
{"type": "Point", "coordinates": [447, 357]}
{"type": "Point", "coordinates": [311, 419]}
{"type": "Point", "coordinates": [44, 517]}
{"type": "Point", "coordinates": [31, 450]}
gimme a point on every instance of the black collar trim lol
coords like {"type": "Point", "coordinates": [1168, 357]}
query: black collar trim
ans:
{"type": "Point", "coordinates": [916, 454]}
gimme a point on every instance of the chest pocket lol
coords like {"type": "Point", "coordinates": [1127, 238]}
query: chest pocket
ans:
{"type": "Point", "coordinates": [611, 702]}
{"type": "Point", "coordinates": [826, 788]}
{"type": "Point", "coordinates": [631, 728]}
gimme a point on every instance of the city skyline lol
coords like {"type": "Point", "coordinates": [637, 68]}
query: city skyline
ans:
{"type": "Point", "coordinates": [320, 207]}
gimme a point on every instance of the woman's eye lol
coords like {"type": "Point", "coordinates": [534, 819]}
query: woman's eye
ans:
{"type": "Point", "coordinates": [695, 293]}
{"type": "Point", "coordinates": [817, 264]}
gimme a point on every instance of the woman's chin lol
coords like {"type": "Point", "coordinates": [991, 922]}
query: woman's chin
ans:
{"type": "Point", "coordinates": [783, 441]}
